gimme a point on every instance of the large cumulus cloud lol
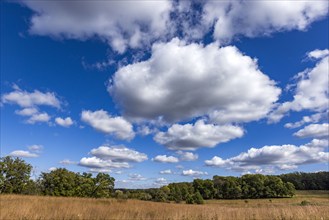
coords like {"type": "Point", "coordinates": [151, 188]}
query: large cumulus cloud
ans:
{"type": "Point", "coordinates": [183, 81]}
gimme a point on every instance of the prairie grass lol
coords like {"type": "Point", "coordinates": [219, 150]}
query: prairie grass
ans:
{"type": "Point", "coordinates": [43, 207]}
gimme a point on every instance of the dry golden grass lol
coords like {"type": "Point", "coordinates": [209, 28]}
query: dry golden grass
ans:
{"type": "Point", "coordinates": [42, 207]}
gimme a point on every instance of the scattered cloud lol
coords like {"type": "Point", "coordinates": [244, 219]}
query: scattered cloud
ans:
{"type": "Point", "coordinates": [307, 119]}
{"type": "Point", "coordinates": [277, 156]}
{"type": "Point", "coordinates": [115, 22]}
{"type": "Point", "coordinates": [38, 118]}
{"type": "Point", "coordinates": [123, 26]}
{"type": "Point", "coordinates": [238, 92]}
{"type": "Point", "coordinates": [35, 148]}
{"type": "Point", "coordinates": [67, 162]}
{"type": "Point", "coordinates": [161, 181]}
{"type": "Point", "coordinates": [311, 92]}
{"type": "Point", "coordinates": [232, 19]}
{"type": "Point", "coordinates": [314, 130]}
{"type": "Point", "coordinates": [30, 103]}
{"type": "Point", "coordinates": [103, 122]}
{"type": "Point", "coordinates": [166, 172]}
{"type": "Point", "coordinates": [100, 170]}
{"type": "Point", "coordinates": [67, 122]}
{"type": "Point", "coordinates": [192, 137]}
{"type": "Point", "coordinates": [23, 153]}
{"type": "Point", "coordinates": [30, 99]}
{"type": "Point", "coordinates": [136, 177]}
{"type": "Point", "coordinates": [115, 157]}
{"type": "Point", "coordinates": [187, 156]}
{"type": "Point", "coordinates": [94, 162]}
{"type": "Point", "coordinates": [52, 169]}
{"type": "Point", "coordinates": [318, 54]}
{"type": "Point", "coordinates": [118, 154]}
{"type": "Point", "coordinates": [165, 159]}
{"type": "Point", "coordinates": [27, 111]}
{"type": "Point", "coordinates": [193, 173]}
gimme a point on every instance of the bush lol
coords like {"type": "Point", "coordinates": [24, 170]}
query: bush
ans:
{"type": "Point", "coordinates": [189, 199]}
{"type": "Point", "coordinates": [198, 198]}
{"type": "Point", "coordinates": [305, 202]}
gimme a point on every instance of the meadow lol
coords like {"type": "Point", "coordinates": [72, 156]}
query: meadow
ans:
{"type": "Point", "coordinates": [305, 205]}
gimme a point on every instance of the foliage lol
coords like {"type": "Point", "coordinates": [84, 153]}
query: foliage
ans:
{"type": "Point", "coordinates": [14, 175]}
{"type": "Point", "coordinates": [308, 181]}
{"type": "Point", "coordinates": [61, 182]}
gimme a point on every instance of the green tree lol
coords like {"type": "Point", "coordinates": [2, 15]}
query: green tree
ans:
{"type": "Point", "coordinates": [14, 175]}
{"type": "Point", "coordinates": [198, 198]}
{"type": "Point", "coordinates": [104, 185]}
{"type": "Point", "coordinates": [59, 182]}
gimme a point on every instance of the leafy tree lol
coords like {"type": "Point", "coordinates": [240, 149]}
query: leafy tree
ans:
{"type": "Point", "coordinates": [104, 185]}
{"type": "Point", "coordinates": [189, 199]}
{"type": "Point", "coordinates": [14, 175]}
{"type": "Point", "coordinates": [198, 198]}
{"type": "Point", "coordinates": [59, 182]}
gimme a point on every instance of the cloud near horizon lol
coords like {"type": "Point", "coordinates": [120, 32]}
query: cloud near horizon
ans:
{"type": "Point", "coordinates": [279, 157]}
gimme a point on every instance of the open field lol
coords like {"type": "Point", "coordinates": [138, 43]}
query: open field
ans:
{"type": "Point", "coordinates": [39, 207]}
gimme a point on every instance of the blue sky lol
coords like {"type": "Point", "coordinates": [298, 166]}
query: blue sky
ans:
{"type": "Point", "coordinates": [164, 91]}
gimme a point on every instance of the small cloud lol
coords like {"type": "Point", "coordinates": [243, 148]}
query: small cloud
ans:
{"type": "Point", "coordinates": [318, 54]}
{"type": "Point", "coordinates": [165, 159]}
{"type": "Point", "coordinates": [23, 153]}
{"type": "Point", "coordinates": [136, 177]}
{"type": "Point", "coordinates": [314, 130]}
{"type": "Point", "coordinates": [67, 122]}
{"type": "Point", "coordinates": [165, 172]}
{"type": "Point", "coordinates": [187, 156]}
{"type": "Point", "coordinates": [67, 162]}
{"type": "Point", "coordinates": [160, 182]}
{"type": "Point", "coordinates": [52, 169]}
{"type": "Point", "coordinates": [103, 122]}
{"type": "Point", "coordinates": [193, 173]}
{"type": "Point", "coordinates": [35, 148]}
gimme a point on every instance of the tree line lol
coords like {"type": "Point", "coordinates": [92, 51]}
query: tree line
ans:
{"type": "Point", "coordinates": [15, 177]}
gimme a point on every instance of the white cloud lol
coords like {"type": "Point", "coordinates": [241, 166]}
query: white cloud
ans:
{"type": "Point", "coordinates": [136, 177]}
{"type": "Point", "coordinates": [311, 92]}
{"type": "Point", "coordinates": [260, 18]}
{"type": "Point", "coordinates": [124, 24]}
{"type": "Point", "coordinates": [187, 156]}
{"type": "Point", "coordinates": [23, 153]}
{"type": "Point", "coordinates": [38, 117]}
{"type": "Point", "coordinates": [100, 170]}
{"type": "Point", "coordinates": [314, 130]}
{"type": "Point", "coordinates": [27, 111]}
{"type": "Point", "coordinates": [67, 162]}
{"type": "Point", "coordinates": [193, 173]}
{"type": "Point", "coordinates": [165, 159]}
{"type": "Point", "coordinates": [94, 162]}
{"type": "Point", "coordinates": [307, 119]}
{"type": "Point", "coordinates": [30, 99]}
{"type": "Point", "coordinates": [118, 154]}
{"type": "Point", "coordinates": [166, 172]}
{"type": "Point", "coordinates": [160, 181]}
{"type": "Point", "coordinates": [67, 122]}
{"type": "Point", "coordinates": [218, 81]}
{"type": "Point", "coordinates": [121, 24]}
{"type": "Point", "coordinates": [114, 157]}
{"type": "Point", "coordinates": [277, 156]}
{"type": "Point", "coordinates": [102, 121]}
{"type": "Point", "coordinates": [35, 148]}
{"type": "Point", "coordinates": [318, 54]}
{"type": "Point", "coordinates": [192, 137]}
{"type": "Point", "coordinates": [52, 169]}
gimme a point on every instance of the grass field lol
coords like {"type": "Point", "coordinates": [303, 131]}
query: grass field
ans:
{"type": "Point", "coordinates": [42, 207]}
